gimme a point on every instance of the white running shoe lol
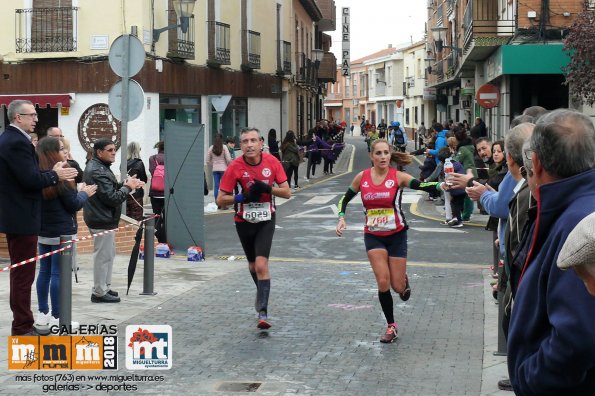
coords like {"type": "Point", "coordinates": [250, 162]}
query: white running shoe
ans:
{"type": "Point", "coordinates": [56, 322]}
{"type": "Point", "coordinates": [42, 319]}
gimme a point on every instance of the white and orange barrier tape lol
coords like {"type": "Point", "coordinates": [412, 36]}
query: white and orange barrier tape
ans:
{"type": "Point", "coordinates": [70, 243]}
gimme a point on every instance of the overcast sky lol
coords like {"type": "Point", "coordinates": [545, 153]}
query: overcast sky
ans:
{"type": "Point", "coordinates": [377, 23]}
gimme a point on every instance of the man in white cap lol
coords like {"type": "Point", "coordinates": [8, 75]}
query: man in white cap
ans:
{"type": "Point", "coordinates": [578, 252]}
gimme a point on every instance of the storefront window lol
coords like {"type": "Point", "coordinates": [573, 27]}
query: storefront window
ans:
{"type": "Point", "coordinates": [186, 110]}
{"type": "Point", "coordinates": [232, 120]}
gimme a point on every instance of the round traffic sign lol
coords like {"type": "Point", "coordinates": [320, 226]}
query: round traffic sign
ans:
{"type": "Point", "coordinates": [488, 96]}
{"type": "Point", "coordinates": [136, 100]}
{"type": "Point", "coordinates": [136, 55]}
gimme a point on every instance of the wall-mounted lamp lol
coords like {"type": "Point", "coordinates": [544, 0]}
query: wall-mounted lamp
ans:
{"type": "Point", "coordinates": [317, 55]}
{"type": "Point", "coordinates": [183, 9]}
{"type": "Point", "coordinates": [437, 33]}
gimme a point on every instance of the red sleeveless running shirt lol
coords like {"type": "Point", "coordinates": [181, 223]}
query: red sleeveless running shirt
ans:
{"type": "Point", "coordinates": [382, 203]}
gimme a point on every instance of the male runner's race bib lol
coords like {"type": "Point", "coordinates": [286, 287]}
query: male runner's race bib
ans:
{"type": "Point", "coordinates": [255, 212]}
{"type": "Point", "coordinates": [381, 219]}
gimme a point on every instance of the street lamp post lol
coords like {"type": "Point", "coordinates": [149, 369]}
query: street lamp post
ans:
{"type": "Point", "coordinates": [317, 55]}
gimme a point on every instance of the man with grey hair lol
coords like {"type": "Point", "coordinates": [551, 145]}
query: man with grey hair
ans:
{"type": "Point", "coordinates": [578, 252]}
{"type": "Point", "coordinates": [551, 342]}
{"type": "Point", "coordinates": [55, 132]}
{"type": "Point", "coordinates": [21, 183]}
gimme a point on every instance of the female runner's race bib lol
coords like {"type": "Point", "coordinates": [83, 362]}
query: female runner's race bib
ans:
{"type": "Point", "coordinates": [255, 212]}
{"type": "Point", "coordinates": [381, 219]}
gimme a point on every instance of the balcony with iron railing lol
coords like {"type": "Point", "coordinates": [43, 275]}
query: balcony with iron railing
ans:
{"type": "Point", "coordinates": [251, 53]}
{"type": "Point", "coordinates": [439, 71]}
{"type": "Point", "coordinates": [301, 67]}
{"type": "Point", "coordinates": [219, 44]}
{"type": "Point", "coordinates": [49, 29]}
{"type": "Point", "coordinates": [284, 58]}
{"type": "Point", "coordinates": [180, 45]}
{"type": "Point", "coordinates": [486, 25]}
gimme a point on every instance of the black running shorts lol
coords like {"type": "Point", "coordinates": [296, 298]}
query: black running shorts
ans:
{"type": "Point", "coordinates": [256, 238]}
{"type": "Point", "coordinates": [395, 244]}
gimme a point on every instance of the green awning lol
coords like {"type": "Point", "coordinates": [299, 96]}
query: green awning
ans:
{"type": "Point", "coordinates": [527, 59]}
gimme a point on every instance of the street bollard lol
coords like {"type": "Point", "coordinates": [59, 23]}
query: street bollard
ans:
{"type": "Point", "coordinates": [149, 271]}
{"type": "Point", "coordinates": [65, 286]}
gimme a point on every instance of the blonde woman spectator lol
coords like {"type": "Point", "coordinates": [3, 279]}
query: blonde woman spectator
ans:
{"type": "Point", "coordinates": [136, 168]}
{"type": "Point", "coordinates": [72, 162]}
{"type": "Point", "coordinates": [34, 138]}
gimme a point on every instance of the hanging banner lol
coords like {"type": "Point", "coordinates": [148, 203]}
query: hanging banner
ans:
{"type": "Point", "coordinates": [346, 63]}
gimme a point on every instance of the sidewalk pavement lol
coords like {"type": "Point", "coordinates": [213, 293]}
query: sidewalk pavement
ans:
{"type": "Point", "coordinates": [494, 367]}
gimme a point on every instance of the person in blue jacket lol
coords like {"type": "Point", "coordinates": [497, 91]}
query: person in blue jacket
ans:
{"type": "Point", "coordinates": [58, 219]}
{"type": "Point", "coordinates": [551, 341]}
{"type": "Point", "coordinates": [440, 141]}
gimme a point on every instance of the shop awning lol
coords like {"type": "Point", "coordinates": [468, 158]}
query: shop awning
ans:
{"type": "Point", "coordinates": [41, 100]}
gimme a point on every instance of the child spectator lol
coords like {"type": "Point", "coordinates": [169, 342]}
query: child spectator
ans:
{"type": "Point", "coordinates": [457, 195]}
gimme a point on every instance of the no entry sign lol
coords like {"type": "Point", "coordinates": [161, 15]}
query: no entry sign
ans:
{"type": "Point", "coordinates": [488, 96]}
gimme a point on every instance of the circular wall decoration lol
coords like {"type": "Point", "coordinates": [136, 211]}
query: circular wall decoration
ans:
{"type": "Point", "coordinates": [98, 122]}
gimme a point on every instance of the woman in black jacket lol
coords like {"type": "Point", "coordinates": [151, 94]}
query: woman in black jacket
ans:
{"type": "Point", "coordinates": [136, 168]}
{"type": "Point", "coordinates": [273, 144]}
{"type": "Point", "coordinates": [58, 218]}
{"type": "Point", "coordinates": [291, 158]}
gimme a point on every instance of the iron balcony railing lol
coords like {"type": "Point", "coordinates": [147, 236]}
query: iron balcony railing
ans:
{"type": "Point", "coordinates": [50, 29]}
{"type": "Point", "coordinates": [251, 58]}
{"type": "Point", "coordinates": [219, 43]}
{"type": "Point", "coordinates": [180, 44]}
{"type": "Point", "coordinates": [483, 18]}
{"type": "Point", "coordinates": [301, 67]}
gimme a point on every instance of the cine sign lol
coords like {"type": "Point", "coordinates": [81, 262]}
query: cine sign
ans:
{"type": "Point", "coordinates": [345, 64]}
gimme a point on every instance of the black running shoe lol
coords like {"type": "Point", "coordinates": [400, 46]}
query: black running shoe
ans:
{"type": "Point", "coordinates": [407, 292]}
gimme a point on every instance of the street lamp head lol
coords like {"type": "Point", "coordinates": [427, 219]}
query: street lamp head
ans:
{"type": "Point", "coordinates": [317, 55]}
{"type": "Point", "coordinates": [183, 9]}
{"type": "Point", "coordinates": [437, 35]}
{"type": "Point", "coordinates": [437, 32]}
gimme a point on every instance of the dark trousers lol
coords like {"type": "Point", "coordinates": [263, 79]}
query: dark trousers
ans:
{"type": "Point", "coordinates": [291, 170]}
{"type": "Point", "coordinates": [311, 166]}
{"type": "Point", "coordinates": [157, 204]}
{"type": "Point", "coordinates": [456, 205]}
{"type": "Point", "coordinates": [21, 247]}
{"type": "Point", "coordinates": [328, 165]}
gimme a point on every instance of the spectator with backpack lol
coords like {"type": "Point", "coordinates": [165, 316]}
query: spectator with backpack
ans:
{"type": "Point", "coordinates": [157, 190]}
{"type": "Point", "coordinates": [398, 136]}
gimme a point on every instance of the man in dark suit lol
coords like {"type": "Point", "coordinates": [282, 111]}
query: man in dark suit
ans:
{"type": "Point", "coordinates": [21, 183]}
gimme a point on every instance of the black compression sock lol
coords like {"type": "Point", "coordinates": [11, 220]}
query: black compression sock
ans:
{"type": "Point", "coordinates": [254, 278]}
{"type": "Point", "coordinates": [262, 295]}
{"type": "Point", "coordinates": [386, 302]}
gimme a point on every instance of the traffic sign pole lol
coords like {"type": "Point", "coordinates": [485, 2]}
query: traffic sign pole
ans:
{"type": "Point", "coordinates": [125, 100]}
